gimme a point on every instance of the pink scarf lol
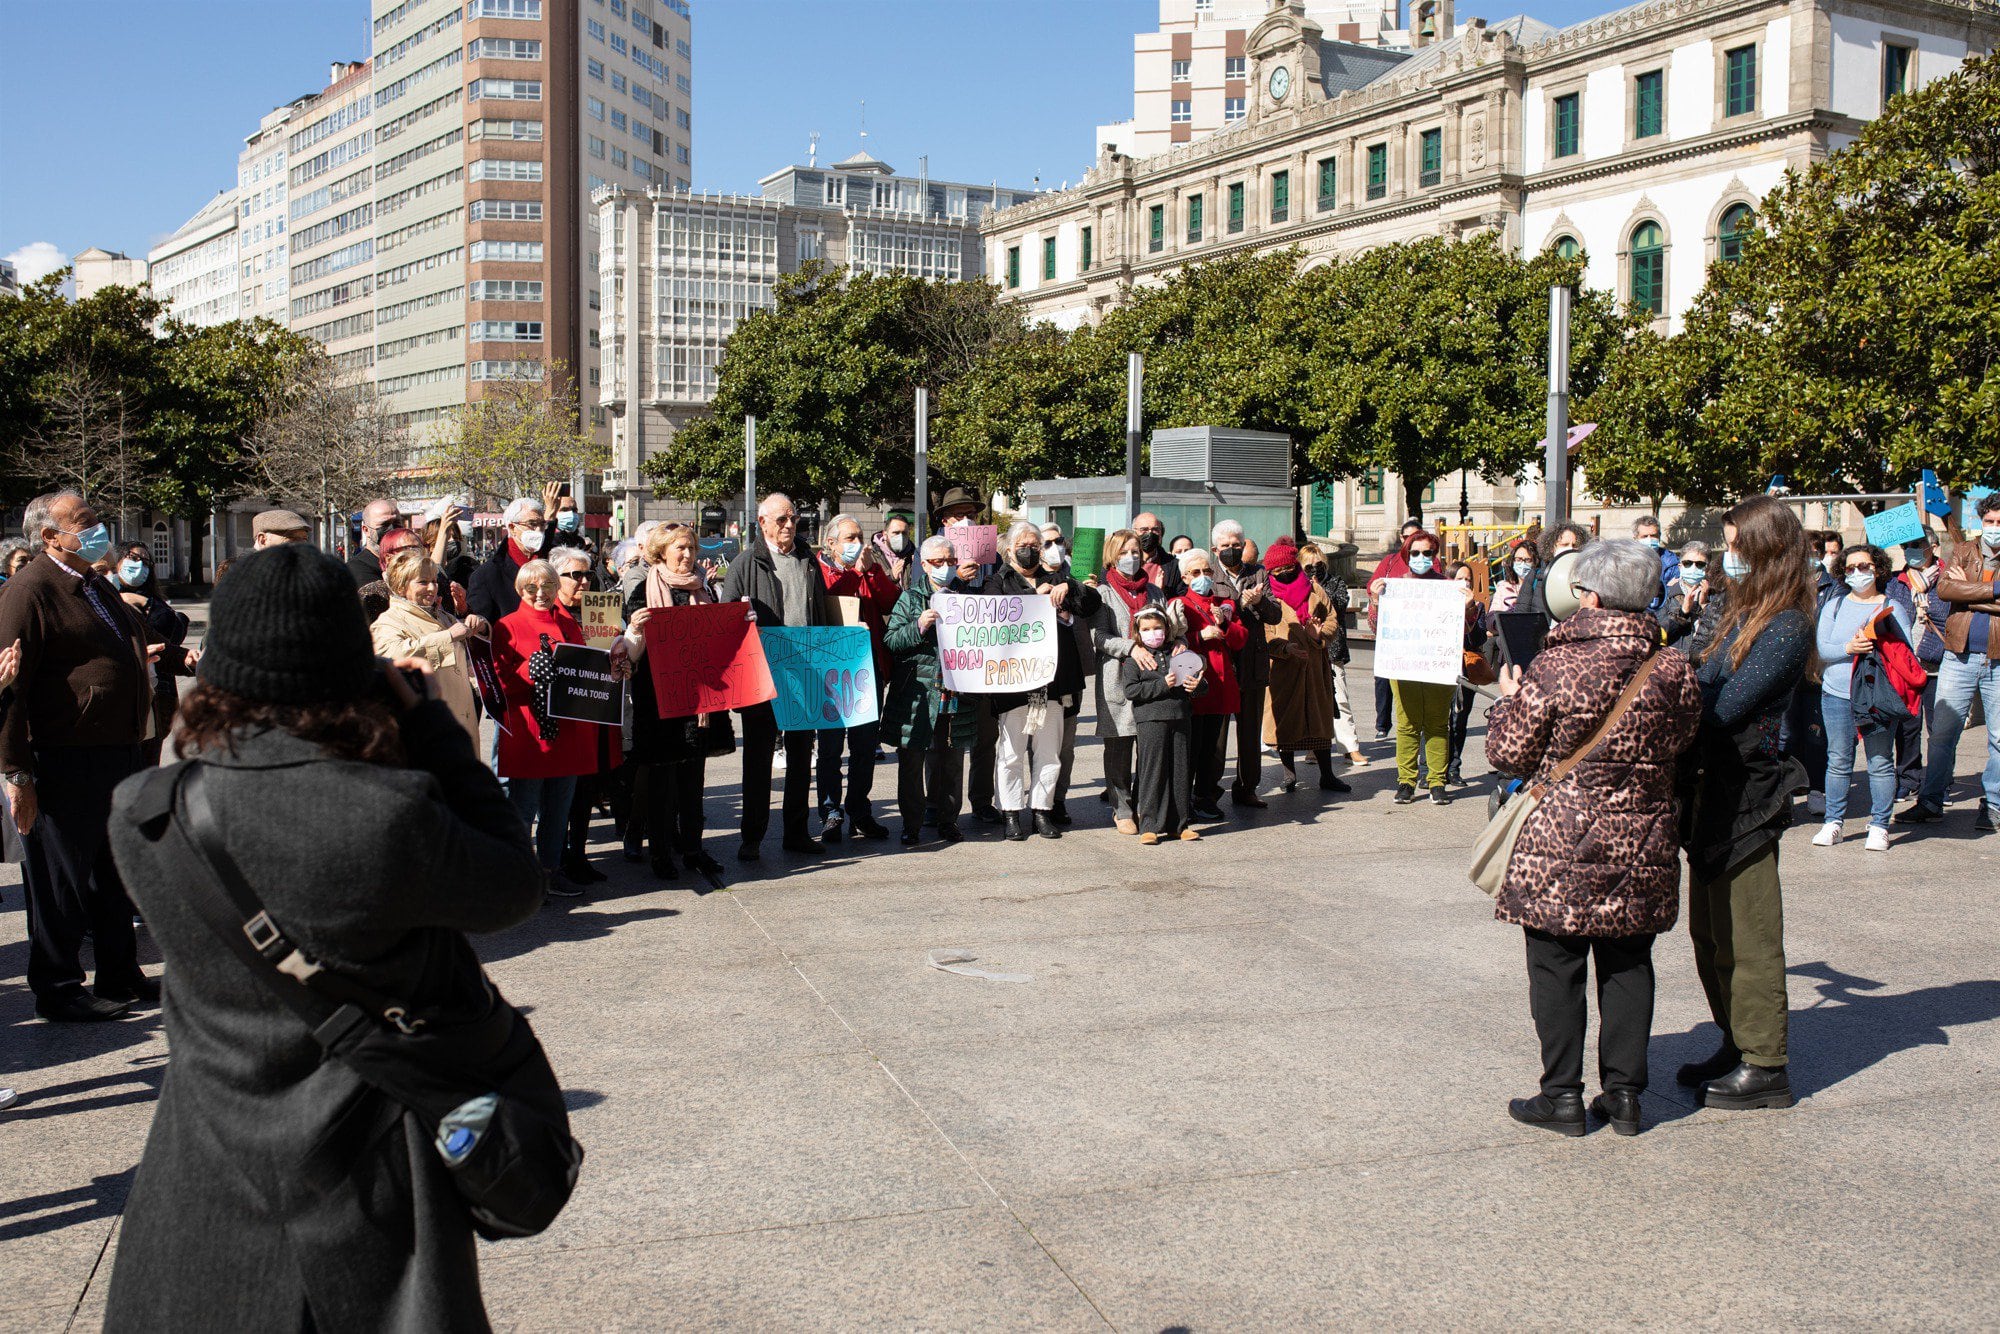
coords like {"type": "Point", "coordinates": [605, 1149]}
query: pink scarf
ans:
{"type": "Point", "coordinates": [1295, 592]}
{"type": "Point", "coordinates": [662, 582]}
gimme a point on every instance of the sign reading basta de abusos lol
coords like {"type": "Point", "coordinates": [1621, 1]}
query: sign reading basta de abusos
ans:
{"type": "Point", "coordinates": [995, 644]}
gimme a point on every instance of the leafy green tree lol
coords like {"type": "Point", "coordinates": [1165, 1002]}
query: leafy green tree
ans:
{"type": "Point", "coordinates": [212, 386]}
{"type": "Point", "coordinates": [323, 443]}
{"type": "Point", "coordinates": [830, 374]}
{"type": "Point", "coordinates": [514, 438]}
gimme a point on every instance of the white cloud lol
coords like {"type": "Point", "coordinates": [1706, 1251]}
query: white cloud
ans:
{"type": "Point", "coordinates": [37, 260]}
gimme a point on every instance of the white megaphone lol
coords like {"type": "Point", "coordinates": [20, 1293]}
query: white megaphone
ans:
{"type": "Point", "coordinates": [1558, 591]}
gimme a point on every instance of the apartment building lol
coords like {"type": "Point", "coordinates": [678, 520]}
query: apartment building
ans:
{"type": "Point", "coordinates": [330, 247]}
{"type": "Point", "coordinates": [95, 268]}
{"type": "Point", "coordinates": [194, 270]}
{"type": "Point", "coordinates": [1643, 140]}
{"type": "Point", "coordinates": [264, 280]}
{"type": "Point", "coordinates": [683, 270]}
{"type": "Point", "coordinates": [10, 279]}
{"type": "Point", "coordinates": [1190, 77]}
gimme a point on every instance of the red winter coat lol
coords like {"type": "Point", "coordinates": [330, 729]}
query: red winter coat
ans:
{"type": "Point", "coordinates": [1600, 856]}
{"type": "Point", "coordinates": [1899, 660]}
{"type": "Point", "coordinates": [523, 753]}
{"type": "Point", "coordinates": [1223, 694]}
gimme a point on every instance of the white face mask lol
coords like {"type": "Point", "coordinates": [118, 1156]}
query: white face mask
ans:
{"type": "Point", "coordinates": [530, 541]}
{"type": "Point", "coordinates": [1052, 555]}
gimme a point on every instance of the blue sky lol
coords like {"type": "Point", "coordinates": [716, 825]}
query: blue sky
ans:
{"type": "Point", "coordinates": [120, 118]}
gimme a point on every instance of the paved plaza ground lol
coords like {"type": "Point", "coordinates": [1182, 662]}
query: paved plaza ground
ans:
{"type": "Point", "coordinates": [1255, 1082]}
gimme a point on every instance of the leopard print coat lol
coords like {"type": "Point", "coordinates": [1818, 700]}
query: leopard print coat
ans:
{"type": "Point", "coordinates": [1600, 856]}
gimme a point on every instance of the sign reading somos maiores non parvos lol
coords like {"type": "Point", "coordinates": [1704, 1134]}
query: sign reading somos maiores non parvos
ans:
{"type": "Point", "coordinates": [995, 644]}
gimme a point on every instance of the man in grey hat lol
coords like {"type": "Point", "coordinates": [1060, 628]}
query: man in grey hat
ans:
{"type": "Point", "coordinates": [274, 528]}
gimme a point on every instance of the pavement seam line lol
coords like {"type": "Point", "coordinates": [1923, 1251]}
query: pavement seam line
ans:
{"type": "Point", "coordinates": [930, 1121]}
{"type": "Point", "coordinates": [91, 1277]}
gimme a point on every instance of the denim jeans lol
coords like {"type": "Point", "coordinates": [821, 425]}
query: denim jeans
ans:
{"type": "Point", "coordinates": [1878, 744]}
{"type": "Point", "coordinates": [1960, 677]}
{"type": "Point", "coordinates": [543, 804]}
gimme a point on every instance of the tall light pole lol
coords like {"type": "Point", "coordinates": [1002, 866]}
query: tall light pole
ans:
{"type": "Point", "coordinates": [923, 515]}
{"type": "Point", "coordinates": [1555, 455]}
{"type": "Point", "coordinates": [749, 477]}
{"type": "Point", "coordinates": [1135, 376]}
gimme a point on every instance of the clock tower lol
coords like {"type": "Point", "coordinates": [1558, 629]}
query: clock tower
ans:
{"type": "Point", "coordinates": [1284, 59]}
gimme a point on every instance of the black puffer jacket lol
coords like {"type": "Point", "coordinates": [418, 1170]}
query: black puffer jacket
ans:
{"type": "Point", "coordinates": [1081, 602]}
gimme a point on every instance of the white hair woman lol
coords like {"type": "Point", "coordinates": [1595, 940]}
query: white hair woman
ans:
{"type": "Point", "coordinates": [416, 625]}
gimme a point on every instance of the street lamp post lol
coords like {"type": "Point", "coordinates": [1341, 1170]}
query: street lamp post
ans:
{"type": "Point", "coordinates": [1135, 375]}
{"type": "Point", "coordinates": [1555, 456]}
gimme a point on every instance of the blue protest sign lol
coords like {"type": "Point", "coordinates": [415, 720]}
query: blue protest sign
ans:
{"type": "Point", "coordinates": [825, 676]}
{"type": "Point", "coordinates": [1893, 527]}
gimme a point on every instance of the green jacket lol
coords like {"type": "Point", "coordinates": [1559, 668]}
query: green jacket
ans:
{"type": "Point", "coordinates": [916, 682]}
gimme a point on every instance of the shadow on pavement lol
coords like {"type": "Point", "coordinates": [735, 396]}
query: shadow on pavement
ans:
{"type": "Point", "coordinates": [33, 1215]}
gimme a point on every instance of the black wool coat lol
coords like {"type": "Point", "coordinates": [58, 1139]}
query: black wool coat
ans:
{"type": "Point", "coordinates": [278, 1191]}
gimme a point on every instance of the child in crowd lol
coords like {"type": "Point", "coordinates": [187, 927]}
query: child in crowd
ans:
{"type": "Point", "coordinates": [1163, 711]}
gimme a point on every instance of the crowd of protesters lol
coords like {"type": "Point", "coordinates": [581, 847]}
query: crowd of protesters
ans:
{"type": "Point", "coordinates": [1691, 695]}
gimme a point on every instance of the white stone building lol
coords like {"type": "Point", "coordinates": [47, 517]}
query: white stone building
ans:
{"type": "Point", "coordinates": [95, 268]}
{"type": "Point", "coordinates": [1642, 138]}
{"type": "Point", "coordinates": [194, 270]}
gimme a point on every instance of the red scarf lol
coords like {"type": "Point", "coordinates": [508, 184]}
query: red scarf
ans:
{"type": "Point", "coordinates": [1136, 592]}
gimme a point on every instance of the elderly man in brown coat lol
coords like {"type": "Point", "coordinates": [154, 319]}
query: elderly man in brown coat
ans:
{"type": "Point", "coordinates": [1596, 869]}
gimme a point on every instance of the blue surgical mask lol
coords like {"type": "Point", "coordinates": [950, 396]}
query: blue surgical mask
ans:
{"type": "Point", "coordinates": [1990, 535]}
{"type": "Point", "coordinates": [1652, 542]}
{"type": "Point", "coordinates": [1130, 564]}
{"type": "Point", "coordinates": [1202, 584]}
{"type": "Point", "coordinates": [939, 573]}
{"type": "Point", "coordinates": [132, 573]}
{"type": "Point", "coordinates": [569, 520]}
{"type": "Point", "coordinates": [92, 543]}
{"type": "Point", "coordinates": [850, 552]}
{"type": "Point", "coordinates": [1860, 580]}
{"type": "Point", "coordinates": [1420, 565]}
{"type": "Point", "coordinates": [1523, 568]}
{"type": "Point", "coordinates": [1734, 565]}
{"type": "Point", "coordinates": [1916, 557]}
{"type": "Point", "coordinates": [1691, 575]}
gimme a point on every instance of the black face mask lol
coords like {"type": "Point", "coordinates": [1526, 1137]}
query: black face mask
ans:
{"type": "Point", "coordinates": [1232, 557]}
{"type": "Point", "coordinates": [1027, 557]}
{"type": "Point", "coordinates": [451, 550]}
{"type": "Point", "coordinates": [1150, 541]}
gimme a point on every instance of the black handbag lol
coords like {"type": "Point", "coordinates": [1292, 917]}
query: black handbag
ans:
{"type": "Point", "coordinates": [714, 736]}
{"type": "Point", "coordinates": [482, 1087]}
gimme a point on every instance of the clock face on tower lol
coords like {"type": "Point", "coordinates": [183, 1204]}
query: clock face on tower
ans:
{"type": "Point", "coordinates": [1281, 82]}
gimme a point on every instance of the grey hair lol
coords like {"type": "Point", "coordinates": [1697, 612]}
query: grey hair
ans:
{"type": "Point", "coordinates": [1190, 554]}
{"type": "Point", "coordinates": [768, 502]}
{"type": "Point", "coordinates": [565, 556]}
{"type": "Point", "coordinates": [41, 514]}
{"type": "Point", "coordinates": [937, 542]}
{"type": "Point", "coordinates": [1694, 548]}
{"type": "Point", "coordinates": [12, 545]}
{"type": "Point", "coordinates": [1624, 574]}
{"type": "Point", "coordinates": [833, 526]}
{"type": "Point", "coordinates": [1227, 528]}
{"type": "Point", "coordinates": [534, 572]}
{"type": "Point", "coordinates": [518, 509]}
{"type": "Point", "coordinates": [1645, 521]}
{"type": "Point", "coordinates": [1033, 530]}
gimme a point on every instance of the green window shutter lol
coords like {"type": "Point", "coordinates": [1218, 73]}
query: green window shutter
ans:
{"type": "Point", "coordinates": [1567, 247]}
{"type": "Point", "coordinates": [1740, 97]}
{"type": "Point", "coordinates": [1194, 217]}
{"type": "Point", "coordinates": [1371, 487]}
{"type": "Point", "coordinates": [1236, 208]}
{"type": "Point", "coordinates": [1378, 171]}
{"type": "Point", "coordinates": [1649, 268]}
{"type": "Point", "coordinates": [1729, 236]}
{"type": "Point", "coordinates": [1156, 227]}
{"type": "Point", "coordinates": [1322, 508]}
{"type": "Point", "coordinates": [1568, 113]}
{"type": "Point", "coordinates": [1049, 259]}
{"type": "Point", "coordinates": [1648, 104]}
{"type": "Point", "coordinates": [1431, 154]}
{"type": "Point", "coordinates": [1328, 180]}
{"type": "Point", "coordinates": [1281, 195]}
{"type": "Point", "coordinates": [1086, 248]}
{"type": "Point", "coordinates": [1013, 266]}
{"type": "Point", "coordinates": [1895, 71]}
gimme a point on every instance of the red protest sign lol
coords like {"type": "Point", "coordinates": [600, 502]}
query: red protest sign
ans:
{"type": "Point", "coordinates": [974, 543]}
{"type": "Point", "coordinates": [705, 658]}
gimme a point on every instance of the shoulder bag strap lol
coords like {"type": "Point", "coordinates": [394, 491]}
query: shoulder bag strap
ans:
{"type": "Point", "coordinates": [1625, 698]}
{"type": "Point", "coordinates": [232, 910]}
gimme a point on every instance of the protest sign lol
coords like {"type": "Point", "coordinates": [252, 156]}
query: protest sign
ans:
{"type": "Point", "coordinates": [486, 678]}
{"type": "Point", "coordinates": [583, 689]}
{"type": "Point", "coordinates": [825, 675]}
{"type": "Point", "coordinates": [974, 543]}
{"type": "Point", "coordinates": [995, 644]}
{"type": "Point", "coordinates": [706, 657]}
{"type": "Point", "coordinates": [846, 611]}
{"type": "Point", "coordinates": [602, 617]}
{"type": "Point", "coordinates": [1186, 665]}
{"type": "Point", "coordinates": [1893, 527]}
{"type": "Point", "coordinates": [1420, 635]}
{"type": "Point", "coordinates": [1086, 552]}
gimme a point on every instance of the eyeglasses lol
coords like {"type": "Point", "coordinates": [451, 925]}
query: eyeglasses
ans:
{"type": "Point", "coordinates": [574, 574]}
{"type": "Point", "coordinates": [1694, 565]}
{"type": "Point", "coordinates": [1866, 567]}
{"type": "Point", "coordinates": [536, 524]}
{"type": "Point", "coordinates": [784, 520]}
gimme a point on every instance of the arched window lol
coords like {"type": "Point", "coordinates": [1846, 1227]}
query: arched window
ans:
{"type": "Point", "coordinates": [1649, 268]}
{"type": "Point", "coordinates": [1736, 220]}
{"type": "Point", "coordinates": [1566, 246]}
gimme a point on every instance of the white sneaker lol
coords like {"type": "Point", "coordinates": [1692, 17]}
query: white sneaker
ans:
{"type": "Point", "coordinates": [1878, 838]}
{"type": "Point", "coordinates": [1816, 803]}
{"type": "Point", "coordinates": [8, 1098]}
{"type": "Point", "coordinates": [1828, 835]}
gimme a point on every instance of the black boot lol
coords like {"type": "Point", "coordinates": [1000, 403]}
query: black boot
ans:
{"type": "Point", "coordinates": [1060, 814]}
{"type": "Point", "coordinates": [1017, 826]}
{"type": "Point", "coordinates": [664, 868]}
{"type": "Point", "coordinates": [581, 871]}
{"type": "Point", "coordinates": [1749, 1087]}
{"type": "Point", "coordinates": [1045, 825]}
{"type": "Point", "coordinates": [1562, 1114]}
{"type": "Point", "coordinates": [1620, 1107]}
{"type": "Point", "coordinates": [1715, 1067]}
